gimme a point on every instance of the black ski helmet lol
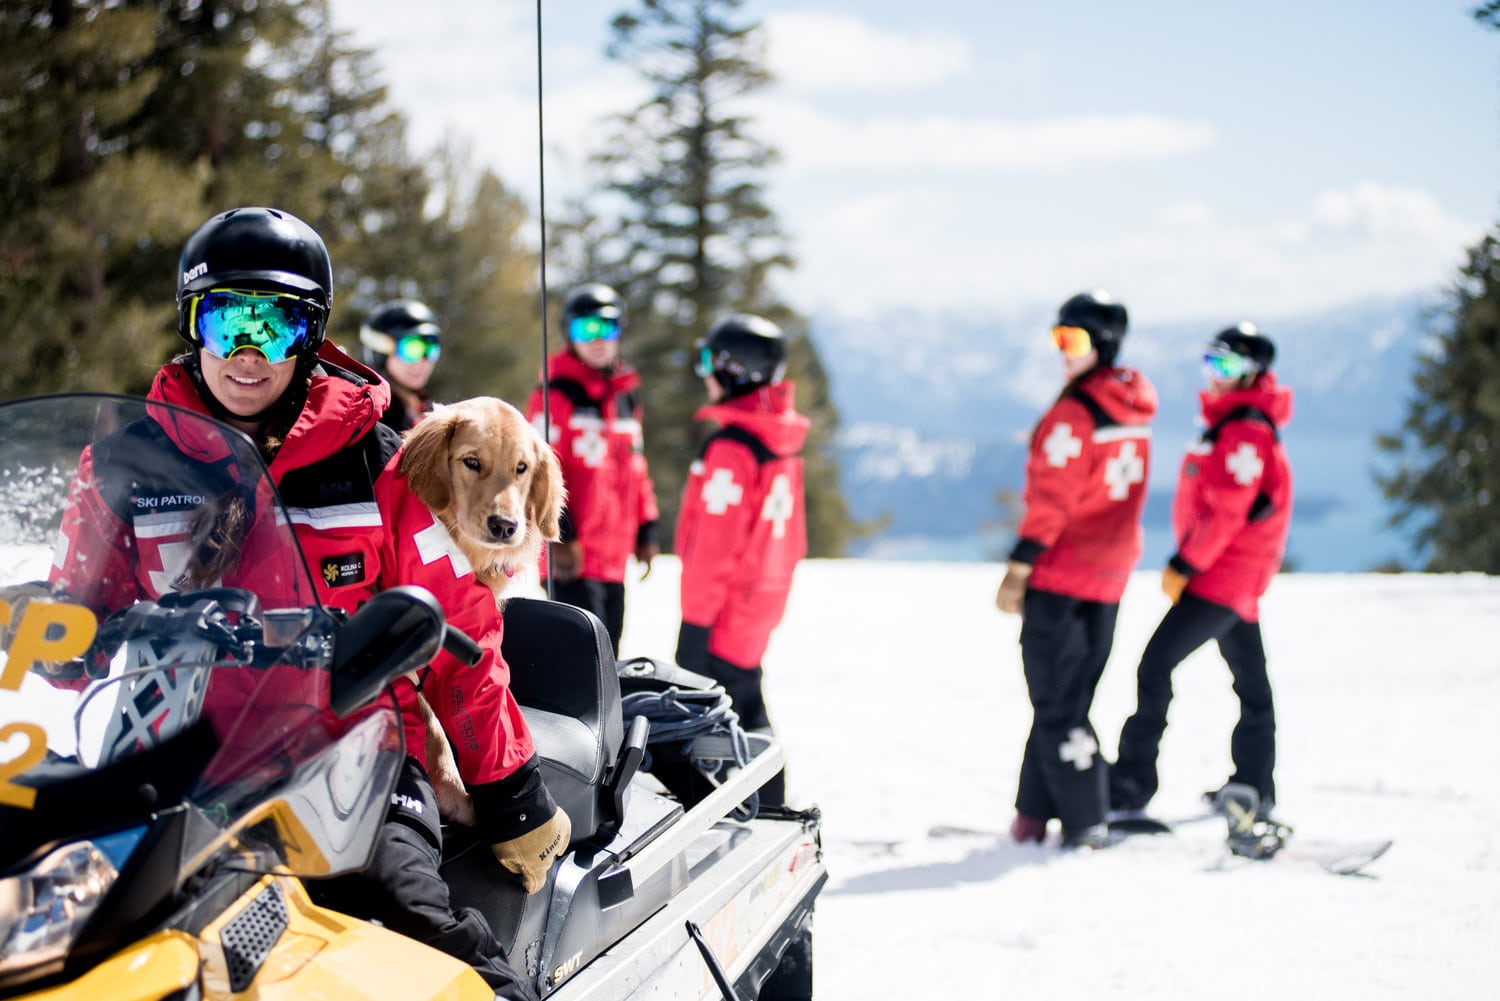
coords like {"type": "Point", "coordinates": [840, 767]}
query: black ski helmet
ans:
{"type": "Point", "coordinates": [743, 353]}
{"type": "Point", "coordinates": [1102, 316]}
{"type": "Point", "coordinates": [256, 249]}
{"type": "Point", "coordinates": [391, 321]}
{"type": "Point", "coordinates": [1247, 341]}
{"type": "Point", "coordinates": [592, 299]}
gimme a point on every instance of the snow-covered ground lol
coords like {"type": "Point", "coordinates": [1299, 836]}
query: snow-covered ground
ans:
{"type": "Point", "coordinates": [897, 688]}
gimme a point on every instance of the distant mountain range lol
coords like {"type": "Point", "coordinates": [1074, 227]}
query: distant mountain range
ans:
{"type": "Point", "coordinates": [937, 406]}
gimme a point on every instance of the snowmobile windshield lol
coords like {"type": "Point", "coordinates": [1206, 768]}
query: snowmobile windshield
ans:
{"type": "Point", "coordinates": [163, 654]}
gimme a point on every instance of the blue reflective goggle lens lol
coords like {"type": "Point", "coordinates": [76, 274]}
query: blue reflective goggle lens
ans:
{"type": "Point", "coordinates": [705, 364]}
{"type": "Point", "coordinates": [276, 324]}
{"type": "Point", "coordinates": [414, 348]}
{"type": "Point", "coordinates": [1226, 365]}
{"type": "Point", "coordinates": [582, 329]}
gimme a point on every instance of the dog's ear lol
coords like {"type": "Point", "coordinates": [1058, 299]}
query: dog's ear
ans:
{"type": "Point", "coordinates": [424, 457]}
{"type": "Point", "coordinates": [544, 502]}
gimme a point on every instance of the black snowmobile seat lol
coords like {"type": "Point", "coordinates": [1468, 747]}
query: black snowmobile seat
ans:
{"type": "Point", "coordinates": [562, 672]}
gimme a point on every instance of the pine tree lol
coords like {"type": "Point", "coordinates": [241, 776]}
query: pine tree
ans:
{"type": "Point", "coordinates": [1445, 484]}
{"type": "Point", "coordinates": [124, 124]}
{"type": "Point", "coordinates": [688, 238]}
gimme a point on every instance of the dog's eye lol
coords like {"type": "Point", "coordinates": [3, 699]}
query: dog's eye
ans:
{"type": "Point", "coordinates": [521, 468]}
{"type": "Point", "coordinates": [472, 463]}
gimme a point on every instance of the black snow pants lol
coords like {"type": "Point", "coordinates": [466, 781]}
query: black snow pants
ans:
{"type": "Point", "coordinates": [1065, 643]}
{"type": "Point", "coordinates": [403, 890]}
{"type": "Point", "coordinates": [1189, 624]}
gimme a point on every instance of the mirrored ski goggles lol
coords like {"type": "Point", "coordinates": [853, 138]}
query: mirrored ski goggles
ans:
{"type": "Point", "coordinates": [414, 348]}
{"type": "Point", "coordinates": [583, 329]}
{"type": "Point", "coordinates": [704, 366]}
{"type": "Point", "coordinates": [1221, 364]}
{"type": "Point", "coordinates": [1072, 341]}
{"type": "Point", "coordinates": [277, 324]}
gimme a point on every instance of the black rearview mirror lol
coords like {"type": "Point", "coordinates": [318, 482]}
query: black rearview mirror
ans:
{"type": "Point", "coordinates": [396, 631]}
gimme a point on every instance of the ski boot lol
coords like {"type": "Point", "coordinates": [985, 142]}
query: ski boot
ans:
{"type": "Point", "coordinates": [1252, 832]}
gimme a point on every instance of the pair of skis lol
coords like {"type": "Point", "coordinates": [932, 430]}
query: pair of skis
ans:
{"type": "Point", "coordinates": [1254, 836]}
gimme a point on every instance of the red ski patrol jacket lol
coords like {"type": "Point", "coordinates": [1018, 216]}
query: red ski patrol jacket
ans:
{"type": "Point", "coordinates": [596, 433]}
{"type": "Point", "coordinates": [1233, 506]}
{"type": "Point", "coordinates": [1086, 484]}
{"type": "Point", "coordinates": [360, 529]}
{"type": "Point", "coordinates": [742, 526]}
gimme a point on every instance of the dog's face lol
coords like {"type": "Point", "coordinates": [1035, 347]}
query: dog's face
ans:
{"type": "Point", "coordinates": [482, 468]}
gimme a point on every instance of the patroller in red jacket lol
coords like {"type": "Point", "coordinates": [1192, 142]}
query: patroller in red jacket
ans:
{"type": "Point", "coordinates": [1086, 479]}
{"type": "Point", "coordinates": [742, 526]}
{"type": "Point", "coordinates": [358, 537]}
{"type": "Point", "coordinates": [596, 433]}
{"type": "Point", "coordinates": [1233, 506]}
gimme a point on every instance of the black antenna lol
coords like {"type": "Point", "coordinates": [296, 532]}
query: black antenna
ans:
{"type": "Point", "coordinates": [541, 211]}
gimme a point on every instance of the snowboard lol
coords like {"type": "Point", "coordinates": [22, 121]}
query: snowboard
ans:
{"type": "Point", "coordinates": [1262, 839]}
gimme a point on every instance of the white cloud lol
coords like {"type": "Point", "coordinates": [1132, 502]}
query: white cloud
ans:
{"type": "Point", "coordinates": [927, 245]}
{"type": "Point", "coordinates": [819, 51]}
{"type": "Point", "coordinates": [1380, 212]}
{"type": "Point", "coordinates": [812, 140]}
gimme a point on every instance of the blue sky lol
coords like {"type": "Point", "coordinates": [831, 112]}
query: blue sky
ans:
{"type": "Point", "coordinates": [1205, 161]}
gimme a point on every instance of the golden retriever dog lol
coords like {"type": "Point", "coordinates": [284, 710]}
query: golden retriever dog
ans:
{"type": "Point", "coordinates": [495, 484]}
{"type": "Point", "coordinates": [492, 481]}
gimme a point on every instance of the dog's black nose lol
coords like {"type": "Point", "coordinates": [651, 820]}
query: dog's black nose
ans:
{"type": "Point", "coordinates": [501, 528]}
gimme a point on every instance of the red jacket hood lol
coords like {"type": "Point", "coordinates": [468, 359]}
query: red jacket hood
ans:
{"type": "Point", "coordinates": [1125, 394]}
{"type": "Point", "coordinates": [566, 365]}
{"type": "Point", "coordinates": [769, 413]}
{"type": "Point", "coordinates": [1266, 395]}
{"type": "Point", "coordinates": [344, 401]}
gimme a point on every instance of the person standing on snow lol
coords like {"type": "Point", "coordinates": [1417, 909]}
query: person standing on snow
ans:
{"type": "Point", "coordinates": [742, 526]}
{"type": "Point", "coordinates": [595, 414]}
{"type": "Point", "coordinates": [254, 292]}
{"type": "Point", "coordinates": [1231, 514]}
{"type": "Point", "coordinates": [1079, 539]}
{"type": "Point", "coordinates": [402, 342]}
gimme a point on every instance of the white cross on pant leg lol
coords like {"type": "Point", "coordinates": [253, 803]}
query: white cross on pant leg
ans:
{"type": "Point", "coordinates": [1078, 749]}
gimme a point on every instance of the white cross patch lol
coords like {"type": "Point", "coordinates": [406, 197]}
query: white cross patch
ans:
{"type": "Point", "coordinates": [434, 542]}
{"type": "Point", "coordinates": [590, 445]}
{"type": "Point", "coordinates": [779, 506]}
{"type": "Point", "coordinates": [1061, 446]}
{"type": "Point", "coordinates": [1124, 470]}
{"type": "Point", "coordinates": [721, 493]}
{"type": "Point", "coordinates": [1244, 464]}
{"type": "Point", "coordinates": [174, 560]}
{"type": "Point", "coordinates": [1078, 749]}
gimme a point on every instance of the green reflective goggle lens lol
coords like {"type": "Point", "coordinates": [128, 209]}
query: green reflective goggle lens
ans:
{"type": "Point", "coordinates": [1227, 365]}
{"type": "Point", "coordinates": [414, 348]}
{"type": "Point", "coordinates": [582, 329]}
{"type": "Point", "coordinates": [705, 364]}
{"type": "Point", "coordinates": [276, 324]}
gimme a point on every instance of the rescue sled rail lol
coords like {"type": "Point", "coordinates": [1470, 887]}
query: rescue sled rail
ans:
{"type": "Point", "coordinates": [766, 759]}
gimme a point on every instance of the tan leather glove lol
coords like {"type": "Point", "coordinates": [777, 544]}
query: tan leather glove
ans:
{"type": "Point", "coordinates": [530, 856]}
{"type": "Point", "coordinates": [567, 561]}
{"type": "Point", "coordinates": [645, 552]}
{"type": "Point", "coordinates": [1172, 583]}
{"type": "Point", "coordinates": [1012, 591]}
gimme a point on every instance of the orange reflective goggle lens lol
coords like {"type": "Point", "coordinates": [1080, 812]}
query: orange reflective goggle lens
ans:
{"type": "Point", "coordinates": [1072, 341]}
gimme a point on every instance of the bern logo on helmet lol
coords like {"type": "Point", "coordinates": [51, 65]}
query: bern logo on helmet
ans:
{"type": "Point", "coordinates": [198, 270]}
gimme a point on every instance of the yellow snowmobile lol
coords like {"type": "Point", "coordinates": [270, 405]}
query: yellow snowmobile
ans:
{"type": "Point", "coordinates": [172, 773]}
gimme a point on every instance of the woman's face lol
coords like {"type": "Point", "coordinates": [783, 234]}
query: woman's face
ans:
{"type": "Point", "coordinates": [1074, 367]}
{"type": "Point", "coordinates": [411, 375]}
{"type": "Point", "coordinates": [600, 354]}
{"type": "Point", "coordinates": [246, 384]}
